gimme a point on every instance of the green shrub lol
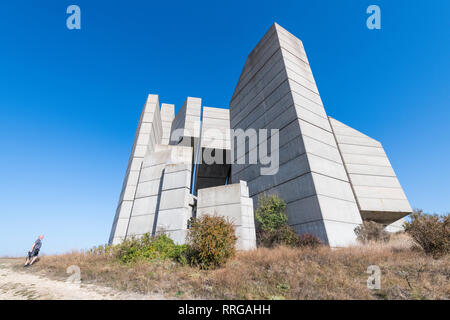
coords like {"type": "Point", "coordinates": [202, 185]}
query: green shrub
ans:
{"type": "Point", "coordinates": [168, 249]}
{"type": "Point", "coordinates": [430, 232]}
{"type": "Point", "coordinates": [149, 248]}
{"type": "Point", "coordinates": [211, 241]}
{"type": "Point", "coordinates": [270, 213]}
{"type": "Point", "coordinates": [272, 227]}
{"type": "Point", "coordinates": [371, 231]}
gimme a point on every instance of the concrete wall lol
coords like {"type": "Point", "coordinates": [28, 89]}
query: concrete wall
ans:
{"type": "Point", "coordinates": [167, 117]}
{"type": "Point", "coordinates": [176, 202]}
{"type": "Point", "coordinates": [233, 202]}
{"type": "Point", "coordinates": [276, 90]}
{"type": "Point", "coordinates": [148, 135]}
{"type": "Point", "coordinates": [162, 198]}
{"type": "Point", "coordinates": [215, 128]}
{"type": "Point", "coordinates": [378, 192]}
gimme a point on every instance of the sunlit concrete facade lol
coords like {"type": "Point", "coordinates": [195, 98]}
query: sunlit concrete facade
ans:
{"type": "Point", "coordinates": [331, 176]}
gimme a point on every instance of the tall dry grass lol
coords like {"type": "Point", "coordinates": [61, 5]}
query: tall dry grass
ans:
{"type": "Point", "coordinates": [277, 273]}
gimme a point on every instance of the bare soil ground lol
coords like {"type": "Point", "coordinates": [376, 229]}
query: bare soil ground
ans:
{"type": "Point", "coordinates": [26, 285]}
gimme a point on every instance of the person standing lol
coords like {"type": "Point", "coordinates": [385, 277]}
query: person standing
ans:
{"type": "Point", "coordinates": [34, 252]}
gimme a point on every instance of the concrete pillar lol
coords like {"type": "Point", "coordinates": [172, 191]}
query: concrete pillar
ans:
{"type": "Point", "coordinates": [185, 129]}
{"type": "Point", "coordinates": [212, 169]}
{"type": "Point", "coordinates": [232, 202]}
{"type": "Point", "coordinates": [186, 125]}
{"type": "Point", "coordinates": [167, 117]}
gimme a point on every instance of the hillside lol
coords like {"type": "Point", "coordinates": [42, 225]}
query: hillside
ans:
{"type": "Point", "coordinates": [279, 273]}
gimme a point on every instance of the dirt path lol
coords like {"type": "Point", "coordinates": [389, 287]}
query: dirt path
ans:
{"type": "Point", "coordinates": [20, 285]}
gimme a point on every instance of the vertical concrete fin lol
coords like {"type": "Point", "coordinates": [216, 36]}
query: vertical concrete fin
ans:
{"type": "Point", "coordinates": [148, 135]}
{"type": "Point", "coordinates": [167, 117]}
{"type": "Point", "coordinates": [214, 149]}
{"type": "Point", "coordinates": [186, 126]}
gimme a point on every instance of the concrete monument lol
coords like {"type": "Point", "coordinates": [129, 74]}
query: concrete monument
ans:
{"type": "Point", "coordinates": [209, 161]}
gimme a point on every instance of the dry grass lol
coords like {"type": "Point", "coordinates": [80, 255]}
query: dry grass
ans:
{"type": "Point", "coordinates": [279, 273]}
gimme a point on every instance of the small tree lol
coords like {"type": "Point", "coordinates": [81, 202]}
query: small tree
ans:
{"type": "Point", "coordinates": [211, 241]}
{"type": "Point", "coordinates": [270, 213]}
{"type": "Point", "coordinates": [430, 232]}
{"type": "Point", "coordinates": [273, 228]}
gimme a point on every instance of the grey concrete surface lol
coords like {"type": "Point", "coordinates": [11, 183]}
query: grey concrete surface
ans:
{"type": "Point", "coordinates": [378, 192]}
{"type": "Point", "coordinates": [232, 202]}
{"type": "Point", "coordinates": [276, 90]}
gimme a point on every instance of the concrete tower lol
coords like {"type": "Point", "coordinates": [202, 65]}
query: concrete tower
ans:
{"type": "Point", "coordinates": [276, 90]}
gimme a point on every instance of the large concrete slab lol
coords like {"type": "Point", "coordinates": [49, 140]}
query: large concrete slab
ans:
{"type": "Point", "coordinates": [378, 192]}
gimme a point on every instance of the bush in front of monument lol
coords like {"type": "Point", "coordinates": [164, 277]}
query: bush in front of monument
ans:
{"type": "Point", "coordinates": [309, 240]}
{"type": "Point", "coordinates": [273, 228]}
{"type": "Point", "coordinates": [430, 232]}
{"type": "Point", "coordinates": [211, 241]}
{"type": "Point", "coordinates": [270, 214]}
{"type": "Point", "coordinates": [371, 231]}
{"type": "Point", "coordinates": [149, 248]}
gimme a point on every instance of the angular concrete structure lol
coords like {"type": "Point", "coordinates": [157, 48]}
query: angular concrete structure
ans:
{"type": "Point", "coordinates": [276, 90]}
{"type": "Point", "coordinates": [163, 194]}
{"type": "Point", "coordinates": [215, 161]}
{"type": "Point", "coordinates": [157, 196]}
{"type": "Point", "coordinates": [377, 190]}
{"type": "Point", "coordinates": [148, 134]}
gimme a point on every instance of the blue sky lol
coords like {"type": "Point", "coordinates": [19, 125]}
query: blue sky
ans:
{"type": "Point", "coordinates": [70, 99]}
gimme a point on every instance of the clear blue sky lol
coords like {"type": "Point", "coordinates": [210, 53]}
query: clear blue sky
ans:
{"type": "Point", "coordinates": [70, 100]}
